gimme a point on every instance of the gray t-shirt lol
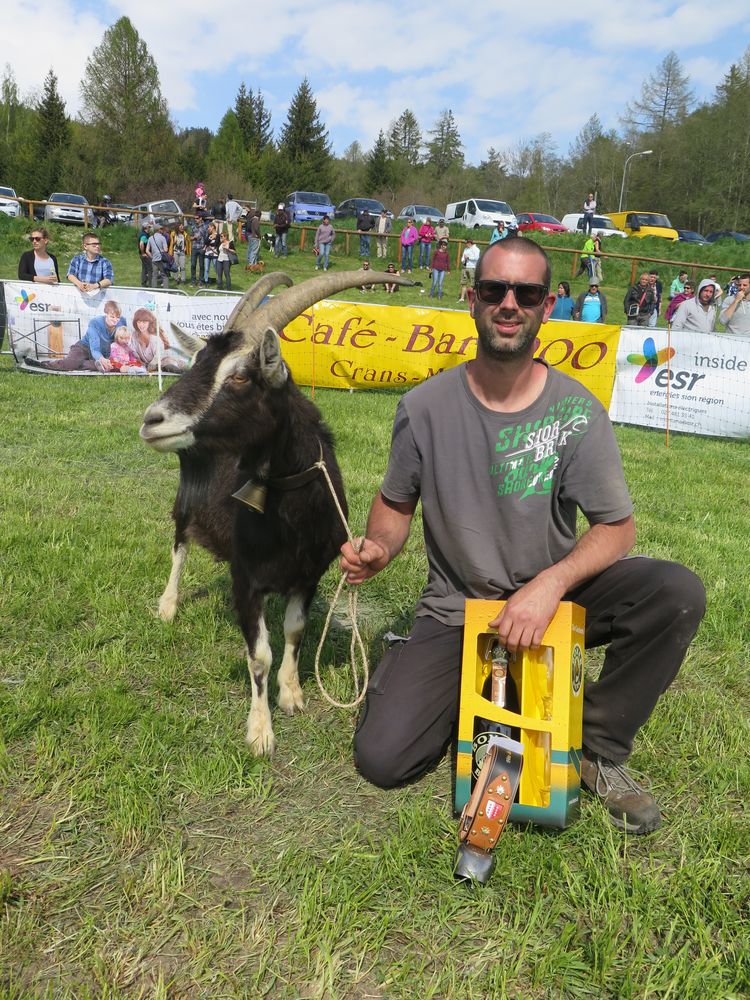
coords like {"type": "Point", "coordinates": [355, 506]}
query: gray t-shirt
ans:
{"type": "Point", "coordinates": [739, 323]}
{"type": "Point", "coordinates": [500, 491]}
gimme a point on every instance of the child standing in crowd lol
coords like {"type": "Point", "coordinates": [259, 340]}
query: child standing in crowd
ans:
{"type": "Point", "coordinates": [122, 357]}
{"type": "Point", "coordinates": [441, 265]}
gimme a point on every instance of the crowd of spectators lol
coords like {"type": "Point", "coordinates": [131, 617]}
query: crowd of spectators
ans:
{"type": "Point", "coordinates": [208, 243]}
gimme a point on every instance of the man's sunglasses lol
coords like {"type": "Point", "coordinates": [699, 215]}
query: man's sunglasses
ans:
{"type": "Point", "coordinates": [527, 296]}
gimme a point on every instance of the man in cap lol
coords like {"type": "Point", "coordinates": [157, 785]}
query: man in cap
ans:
{"type": "Point", "coordinates": [591, 306]}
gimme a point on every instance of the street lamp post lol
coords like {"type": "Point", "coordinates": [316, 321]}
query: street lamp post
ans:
{"type": "Point", "coordinates": [643, 152]}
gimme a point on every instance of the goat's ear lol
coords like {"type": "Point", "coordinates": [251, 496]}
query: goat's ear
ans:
{"type": "Point", "coordinates": [189, 344]}
{"type": "Point", "coordinates": [272, 364]}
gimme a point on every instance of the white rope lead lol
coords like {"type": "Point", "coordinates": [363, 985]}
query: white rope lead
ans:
{"type": "Point", "coordinates": [359, 693]}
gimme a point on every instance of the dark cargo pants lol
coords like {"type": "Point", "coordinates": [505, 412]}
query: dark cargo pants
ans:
{"type": "Point", "coordinates": [645, 610]}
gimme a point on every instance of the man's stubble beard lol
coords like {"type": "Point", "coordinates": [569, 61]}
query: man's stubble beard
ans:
{"type": "Point", "coordinates": [503, 350]}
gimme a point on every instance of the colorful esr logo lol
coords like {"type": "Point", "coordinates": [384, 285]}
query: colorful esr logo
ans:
{"type": "Point", "coordinates": [650, 359]}
{"type": "Point", "coordinates": [24, 298]}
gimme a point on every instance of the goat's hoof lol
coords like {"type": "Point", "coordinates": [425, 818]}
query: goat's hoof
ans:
{"type": "Point", "coordinates": [260, 737]}
{"type": "Point", "coordinates": [291, 699]}
{"type": "Point", "coordinates": [167, 609]}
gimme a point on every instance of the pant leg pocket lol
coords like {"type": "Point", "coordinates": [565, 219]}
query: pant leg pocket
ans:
{"type": "Point", "coordinates": [384, 670]}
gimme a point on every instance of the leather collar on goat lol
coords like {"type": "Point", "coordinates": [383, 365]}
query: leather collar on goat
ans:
{"type": "Point", "coordinates": [253, 493]}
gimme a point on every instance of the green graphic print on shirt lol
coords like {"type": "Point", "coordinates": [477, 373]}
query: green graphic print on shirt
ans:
{"type": "Point", "coordinates": [531, 451]}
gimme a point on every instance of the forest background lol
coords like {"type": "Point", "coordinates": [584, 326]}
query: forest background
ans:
{"type": "Point", "coordinates": [124, 143]}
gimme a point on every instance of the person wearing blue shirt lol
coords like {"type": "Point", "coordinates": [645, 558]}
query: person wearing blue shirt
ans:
{"type": "Point", "coordinates": [91, 352]}
{"type": "Point", "coordinates": [89, 271]}
{"type": "Point", "coordinates": [499, 232]}
{"type": "Point", "coordinates": [591, 306]}
{"type": "Point", "coordinates": [563, 308]}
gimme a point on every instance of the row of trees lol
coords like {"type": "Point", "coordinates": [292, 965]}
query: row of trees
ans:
{"type": "Point", "coordinates": [125, 144]}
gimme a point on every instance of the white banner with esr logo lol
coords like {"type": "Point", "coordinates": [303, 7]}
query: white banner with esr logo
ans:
{"type": "Point", "coordinates": [692, 382]}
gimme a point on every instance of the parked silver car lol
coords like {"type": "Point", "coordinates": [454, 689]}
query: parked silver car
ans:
{"type": "Point", "coordinates": [420, 214]}
{"type": "Point", "coordinates": [68, 208]}
{"type": "Point", "coordinates": [9, 202]}
{"type": "Point", "coordinates": [165, 212]}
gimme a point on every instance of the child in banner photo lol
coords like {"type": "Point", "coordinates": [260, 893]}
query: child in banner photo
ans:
{"type": "Point", "coordinates": [122, 357]}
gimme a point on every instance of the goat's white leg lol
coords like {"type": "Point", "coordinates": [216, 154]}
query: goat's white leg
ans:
{"type": "Point", "coordinates": [259, 729]}
{"type": "Point", "coordinates": [291, 698]}
{"type": "Point", "coordinates": [168, 600]}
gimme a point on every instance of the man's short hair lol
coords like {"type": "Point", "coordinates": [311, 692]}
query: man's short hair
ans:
{"type": "Point", "coordinates": [90, 236]}
{"type": "Point", "coordinates": [520, 246]}
{"type": "Point", "coordinates": [113, 307]}
{"type": "Point", "coordinates": [745, 274]}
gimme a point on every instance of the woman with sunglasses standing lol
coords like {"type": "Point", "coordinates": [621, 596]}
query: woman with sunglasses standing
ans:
{"type": "Point", "coordinates": [36, 264]}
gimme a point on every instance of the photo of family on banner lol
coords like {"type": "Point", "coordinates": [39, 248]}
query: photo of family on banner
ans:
{"type": "Point", "coordinates": [119, 331]}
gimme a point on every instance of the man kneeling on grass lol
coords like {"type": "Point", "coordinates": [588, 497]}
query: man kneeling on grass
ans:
{"type": "Point", "coordinates": [499, 519]}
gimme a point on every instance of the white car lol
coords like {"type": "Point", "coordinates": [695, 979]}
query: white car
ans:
{"type": "Point", "coordinates": [9, 202]}
{"type": "Point", "coordinates": [68, 208]}
{"type": "Point", "coordinates": [602, 224]}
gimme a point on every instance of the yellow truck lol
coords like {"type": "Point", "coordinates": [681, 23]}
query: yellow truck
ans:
{"type": "Point", "coordinates": [644, 224]}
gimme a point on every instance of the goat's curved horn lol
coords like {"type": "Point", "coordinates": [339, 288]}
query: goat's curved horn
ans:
{"type": "Point", "coordinates": [291, 303]}
{"type": "Point", "coordinates": [189, 343]}
{"type": "Point", "coordinates": [254, 296]}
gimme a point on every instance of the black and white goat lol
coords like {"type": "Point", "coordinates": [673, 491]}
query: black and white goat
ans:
{"type": "Point", "coordinates": [237, 419]}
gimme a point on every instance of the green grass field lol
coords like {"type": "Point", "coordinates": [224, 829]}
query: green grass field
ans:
{"type": "Point", "coordinates": [145, 854]}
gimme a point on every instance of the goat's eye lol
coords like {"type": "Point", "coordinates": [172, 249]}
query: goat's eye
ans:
{"type": "Point", "coordinates": [239, 377]}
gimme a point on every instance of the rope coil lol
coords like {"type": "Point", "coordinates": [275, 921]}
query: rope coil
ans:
{"type": "Point", "coordinates": [356, 641]}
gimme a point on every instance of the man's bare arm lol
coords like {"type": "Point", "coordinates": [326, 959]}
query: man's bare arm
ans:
{"type": "Point", "coordinates": [388, 528]}
{"type": "Point", "coordinates": [524, 619]}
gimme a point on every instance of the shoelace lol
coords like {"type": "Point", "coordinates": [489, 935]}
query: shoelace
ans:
{"type": "Point", "coordinates": [614, 778]}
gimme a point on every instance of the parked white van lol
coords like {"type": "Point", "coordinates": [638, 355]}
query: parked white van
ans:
{"type": "Point", "coordinates": [601, 224]}
{"type": "Point", "coordinates": [476, 212]}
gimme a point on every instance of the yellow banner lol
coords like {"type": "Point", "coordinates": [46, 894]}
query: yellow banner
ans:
{"type": "Point", "coordinates": [344, 345]}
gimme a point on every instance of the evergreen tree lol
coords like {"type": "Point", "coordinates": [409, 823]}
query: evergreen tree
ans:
{"type": "Point", "coordinates": [492, 172]}
{"type": "Point", "coordinates": [304, 150]}
{"type": "Point", "coordinates": [405, 139]}
{"type": "Point", "coordinates": [379, 173]}
{"type": "Point", "coordinates": [243, 109]}
{"type": "Point", "coordinates": [445, 149]}
{"type": "Point", "coordinates": [254, 120]}
{"type": "Point", "coordinates": [122, 101]}
{"type": "Point", "coordinates": [728, 179]}
{"type": "Point", "coordinates": [193, 144]}
{"type": "Point", "coordinates": [51, 138]}
{"type": "Point", "coordinates": [227, 146]}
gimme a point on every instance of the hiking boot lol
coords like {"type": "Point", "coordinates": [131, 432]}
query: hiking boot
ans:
{"type": "Point", "coordinates": [631, 808]}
